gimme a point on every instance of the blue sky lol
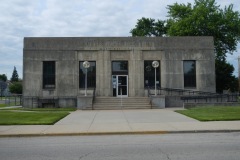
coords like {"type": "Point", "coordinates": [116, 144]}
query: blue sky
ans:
{"type": "Point", "coordinates": [75, 18]}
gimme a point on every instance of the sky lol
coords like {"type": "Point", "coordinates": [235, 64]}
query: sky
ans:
{"type": "Point", "coordinates": [76, 18]}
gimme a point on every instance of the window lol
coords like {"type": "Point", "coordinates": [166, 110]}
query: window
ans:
{"type": "Point", "coordinates": [149, 74]}
{"type": "Point", "coordinates": [189, 68]}
{"type": "Point", "coordinates": [91, 75]}
{"type": "Point", "coordinates": [49, 74]}
{"type": "Point", "coordinates": [120, 68]}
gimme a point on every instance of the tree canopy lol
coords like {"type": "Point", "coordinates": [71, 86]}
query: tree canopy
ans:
{"type": "Point", "coordinates": [206, 18]}
{"type": "Point", "coordinates": [148, 27]}
{"type": "Point", "coordinates": [3, 77]}
{"type": "Point", "coordinates": [16, 88]}
{"type": "Point", "coordinates": [14, 77]}
{"type": "Point", "coordinates": [203, 18]}
{"type": "Point", "coordinates": [224, 78]}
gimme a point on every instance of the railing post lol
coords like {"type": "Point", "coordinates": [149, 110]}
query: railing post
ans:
{"type": "Point", "coordinates": [93, 98]}
{"type": "Point", "coordinates": [121, 98]}
{"type": "Point", "coordinates": [32, 102]}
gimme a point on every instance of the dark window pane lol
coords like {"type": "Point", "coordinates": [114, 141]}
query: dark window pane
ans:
{"type": "Point", "coordinates": [189, 68]}
{"type": "Point", "coordinates": [149, 74]}
{"type": "Point", "coordinates": [120, 68]}
{"type": "Point", "coordinates": [49, 74]}
{"type": "Point", "coordinates": [91, 75]}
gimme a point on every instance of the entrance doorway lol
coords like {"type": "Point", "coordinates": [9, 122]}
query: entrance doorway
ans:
{"type": "Point", "coordinates": [120, 78]}
{"type": "Point", "coordinates": [120, 85]}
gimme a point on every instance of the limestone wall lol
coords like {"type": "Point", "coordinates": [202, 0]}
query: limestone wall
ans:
{"type": "Point", "coordinates": [67, 52]}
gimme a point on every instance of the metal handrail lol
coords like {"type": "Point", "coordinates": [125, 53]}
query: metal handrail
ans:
{"type": "Point", "coordinates": [149, 95]}
{"type": "Point", "coordinates": [15, 99]}
{"type": "Point", "coordinates": [36, 100]}
{"type": "Point", "coordinates": [218, 97]}
{"type": "Point", "coordinates": [187, 95]}
{"type": "Point", "coordinates": [93, 100]}
{"type": "Point", "coordinates": [186, 91]}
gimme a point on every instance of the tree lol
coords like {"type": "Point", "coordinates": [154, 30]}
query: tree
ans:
{"type": "Point", "coordinates": [224, 75]}
{"type": "Point", "coordinates": [204, 18]}
{"type": "Point", "coordinates": [3, 77]}
{"type": "Point", "coordinates": [16, 87]}
{"type": "Point", "coordinates": [148, 27]}
{"type": "Point", "coordinates": [3, 84]}
{"type": "Point", "coordinates": [14, 75]}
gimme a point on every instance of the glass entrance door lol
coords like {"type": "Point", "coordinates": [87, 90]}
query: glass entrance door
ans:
{"type": "Point", "coordinates": [122, 85]}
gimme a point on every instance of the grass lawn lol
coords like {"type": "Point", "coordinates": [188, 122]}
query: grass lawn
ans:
{"type": "Point", "coordinates": [32, 116]}
{"type": "Point", "coordinates": [7, 105]}
{"type": "Point", "coordinates": [216, 113]}
{"type": "Point", "coordinates": [46, 109]}
{"type": "Point", "coordinates": [3, 105]}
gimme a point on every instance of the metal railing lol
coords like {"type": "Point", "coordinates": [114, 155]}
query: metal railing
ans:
{"type": "Point", "coordinates": [234, 97]}
{"type": "Point", "coordinates": [174, 91]}
{"type": "Point", "coordinates": [196, 96]}
{"type": "Point", "coordinates": [150, 96]}
{"type": "Point", "coordinates": [11, 100]}
{"type": "Point", "coordinates": [93, 100]}
{"type": "Point", "coordinates": [41, 102]}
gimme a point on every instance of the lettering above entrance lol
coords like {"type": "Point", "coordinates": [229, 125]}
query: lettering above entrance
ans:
{"type": "Point", "coordinates": [117, 45]}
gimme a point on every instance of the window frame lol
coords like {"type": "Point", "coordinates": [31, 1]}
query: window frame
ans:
{"type": "Point", "coordinates": [120, 72]}
{"type": "Point", "coordinates": [190, 80]}
{"type": "Point", "coordinates": [49, 77]}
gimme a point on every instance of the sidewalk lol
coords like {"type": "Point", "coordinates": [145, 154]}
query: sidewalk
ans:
{"type": "Point", "coordinates": [10, 107]}
{"type": "Point", "coordinates": [99, 122]}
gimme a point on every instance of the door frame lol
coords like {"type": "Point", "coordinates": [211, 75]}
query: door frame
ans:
{"type": "Point", "coordinates": [124, 85]}
{"type": "Point", "coordinates": [117, 87]}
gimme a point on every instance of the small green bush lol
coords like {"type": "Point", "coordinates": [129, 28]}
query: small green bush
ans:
{"type": "Point", "coordinates": [16, 87]}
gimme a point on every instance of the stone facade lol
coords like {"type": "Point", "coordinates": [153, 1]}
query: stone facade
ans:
{"type": "Point", "coordinates": [68, 52]}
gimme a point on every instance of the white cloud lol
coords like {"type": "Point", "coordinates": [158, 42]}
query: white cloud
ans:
{"type": "Point", "coordinates": [61, 18]}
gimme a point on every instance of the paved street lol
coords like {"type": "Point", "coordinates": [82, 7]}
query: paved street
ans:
{"type": "Point", "coordinates": [197, 146]}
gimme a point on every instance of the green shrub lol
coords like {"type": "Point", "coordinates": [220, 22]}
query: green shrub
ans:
{"type": "Point", "coordinates": [16, 87]}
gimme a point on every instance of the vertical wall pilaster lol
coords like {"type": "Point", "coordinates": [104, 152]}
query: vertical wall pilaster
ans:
{"type": "Point", "coordinates": [103, 83]}
{"type": "Point", "coordinates": [108, 73]}
{"type": "Point", "coordinates": [136, 78]}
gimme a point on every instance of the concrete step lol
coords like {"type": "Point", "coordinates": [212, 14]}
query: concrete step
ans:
{"type": "Point", "coordinates": [112, 106]}
{"type": "Point", "coordinates": [108, 103]}
{"type": "Point", "coordinates": [98, 100]}
{"type": "Point", "coordinates": [104, 108]}
{"type": "Point", "coordinates": [123, 102]}
{"type": "Point", "coordinates": [116, 105]}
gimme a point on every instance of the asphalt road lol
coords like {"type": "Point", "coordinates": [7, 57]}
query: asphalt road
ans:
{"type": "Point", "coordinates": [197, 146]}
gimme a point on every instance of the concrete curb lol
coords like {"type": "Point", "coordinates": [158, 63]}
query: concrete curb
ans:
{"type": "Point", "coordinates": [117, 133]}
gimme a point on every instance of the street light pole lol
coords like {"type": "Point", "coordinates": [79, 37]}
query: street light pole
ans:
{"type": "Point", "coordinates": [155, 64]}
{"type": "Point", "coordinates": [86, 65]}
{"type": "Point", "coordinates": [86, 83]}
{"type": "Point", "coordinates": [155, 82]}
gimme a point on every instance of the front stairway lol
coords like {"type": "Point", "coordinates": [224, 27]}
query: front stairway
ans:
{"type": "Point", "coordinates": [114, 103]}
